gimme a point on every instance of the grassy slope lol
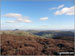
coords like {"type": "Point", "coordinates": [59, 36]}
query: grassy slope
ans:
{"type": "Point", "coordinates": [28, 44]}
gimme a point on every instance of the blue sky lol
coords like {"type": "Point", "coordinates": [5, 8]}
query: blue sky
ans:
{"type": "Point", "coordinates": [48, 15]}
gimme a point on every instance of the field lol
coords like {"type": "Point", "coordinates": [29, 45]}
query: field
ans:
{"type": "Point", "coordinates": [36, 42]}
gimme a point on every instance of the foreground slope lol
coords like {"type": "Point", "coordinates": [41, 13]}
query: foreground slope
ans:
{"type": "Point", "coordinates": [33, 45]}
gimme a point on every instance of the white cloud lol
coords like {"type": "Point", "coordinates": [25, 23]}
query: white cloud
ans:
{"type": "Point", "coordinates": [18, 17]}
{"type": "Point", "coordinates": [24, 20]}
{"type": "Point", "coordinates": [27, 21]}
{"type": "Point", "coordinates": [60, 6]}
{"type": "Point", "coordinates": [44, 18]}
{"type": "Point", "coordinates": [15, 15]}
{"type": "Point", "coordinates": [66, 10]}
{"type": "Point", "coordinates": [11, 21]}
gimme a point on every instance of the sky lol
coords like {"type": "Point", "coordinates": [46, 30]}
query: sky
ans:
{"type": "Point", "coordinates": [37, 15]}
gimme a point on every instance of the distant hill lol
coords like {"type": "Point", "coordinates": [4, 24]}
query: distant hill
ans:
{"type": "Point", "coordinates": [65, 35]}
{"type": "Point", "coordinates": [58, 33]}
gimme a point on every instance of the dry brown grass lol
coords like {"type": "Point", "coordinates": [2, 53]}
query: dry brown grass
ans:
{"type": "Point", "coordinates": [30, 45]}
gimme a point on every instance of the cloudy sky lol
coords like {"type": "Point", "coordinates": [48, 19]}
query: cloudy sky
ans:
{"type": "Point", "coordinates": [48, 15]}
